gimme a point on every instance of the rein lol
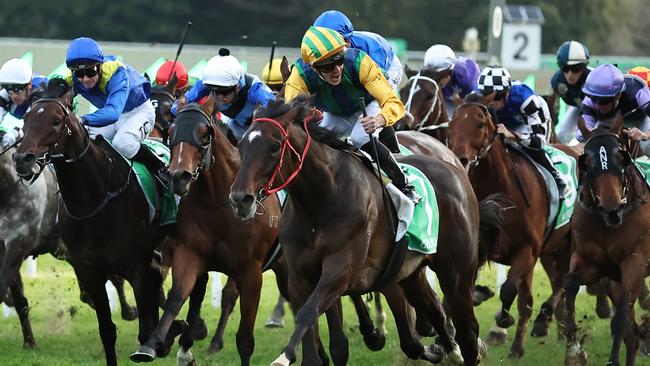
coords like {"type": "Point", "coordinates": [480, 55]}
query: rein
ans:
{"type": "Point", "coordinates": [268, 189]}
{"type": "Point", "coordinates": [412, 92]}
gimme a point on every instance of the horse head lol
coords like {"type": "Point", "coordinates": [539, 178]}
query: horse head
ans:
{"type": "Point", "coordinates": [51, 130]}
{"type": "Point", "coordinates": [162, 98]}
{"type": "Point", "coordinates": [266, 153]}
{"type": "Point", "coordinates": [421, 98]}
{"type": "Point", "coordinates": [605, 168]}
{"type": "Point", "coordinates": [471, 133]}
{"type": "Point", "coordinates": [191, 138]}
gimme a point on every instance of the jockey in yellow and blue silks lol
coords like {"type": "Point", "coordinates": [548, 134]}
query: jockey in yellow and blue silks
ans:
{"type": "Point", "coordinates": [125, 114]}
{"type": "Point", "coordinates": [18, 86]}
{"type": "Point", "coordinates": [338, 77]}
{"type": "Point", "coordinates": [236, 93]}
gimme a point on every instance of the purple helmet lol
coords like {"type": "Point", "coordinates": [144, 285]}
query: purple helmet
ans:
{"type": "Point", "coordinates": [604, 81]}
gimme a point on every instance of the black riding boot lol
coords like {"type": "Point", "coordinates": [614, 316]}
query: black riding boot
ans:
{"type": "Point", "coordinates": [154, 164]}
{"type": "Point", "coordinates": [387, 137]}
{"type": "Point", "coordinates": [390, 167]}
{"type": "Point", "coordinates": [539, 155]}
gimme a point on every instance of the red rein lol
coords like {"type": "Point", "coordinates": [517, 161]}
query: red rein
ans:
{"type": "Point", "coordinates": [268, 186]}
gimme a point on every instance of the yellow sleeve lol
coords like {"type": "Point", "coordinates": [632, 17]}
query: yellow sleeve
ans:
{"type": "Point", "coordinates": [376, 84]}
{"type": "Point", "coordinates": [294, 85]}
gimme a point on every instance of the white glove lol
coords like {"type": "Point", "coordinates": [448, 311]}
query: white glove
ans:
{"type": "Point", "coordinates": [7, 140]}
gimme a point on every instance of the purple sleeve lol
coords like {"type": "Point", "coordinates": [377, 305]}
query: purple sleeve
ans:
{"type": "Point", "coordinates": [588, 113]}
{"type": "Point", "coordinates": [643, 99]}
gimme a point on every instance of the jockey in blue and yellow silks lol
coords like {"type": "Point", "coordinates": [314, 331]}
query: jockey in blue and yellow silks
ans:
{"type": "Point", "coordinates": [125, 114]}
{"type": "Point", "coordinates": [338, 77]}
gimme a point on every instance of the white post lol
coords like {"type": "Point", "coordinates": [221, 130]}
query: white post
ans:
{"type": "Point", "coordinates": [216, 289]}
{"type": "Point", "coordinates": [112, 296]}
{"type": "Point", "coordinates": [8, 311]}
{"type": "Point", "coordinates": [30, 267]}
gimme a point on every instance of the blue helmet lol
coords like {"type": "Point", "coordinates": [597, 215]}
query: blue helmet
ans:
{"type": "Point", "coordinates": [83, 50]}
{"type": "Point", "coordinates": [572, 53]}
{"type": "Point", "coordinates": [605, 80]}
{"type": "Point", "coordinates": [334, 19]}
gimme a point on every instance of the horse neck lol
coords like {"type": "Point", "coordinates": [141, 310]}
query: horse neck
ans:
{"type": "Point", "coordinates": [495, 169]}
{"type": "Point", "coordinates": [214, 183]}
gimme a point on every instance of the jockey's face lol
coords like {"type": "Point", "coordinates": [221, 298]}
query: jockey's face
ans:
{"type": "Point", "coordinates": [88, 77]}
{"type": "Point", "coordinates": [18, 94]}
{"type": "Point", "coordinates": [498, 100]}
{"type": "Point", "coordinates": [332, 74]}
{"type": "Point", "coordinates": [605, 105]}
{"type": "Point", "coordinates": [573, 73]}
{"type": "Point", "coordinates": [226, 96]}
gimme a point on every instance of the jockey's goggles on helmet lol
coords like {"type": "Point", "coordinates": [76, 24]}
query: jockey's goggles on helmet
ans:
{"type": "Point", "coordinates": [15, 88]}
{"type": "Point", "coordinates": [223, 90]}
{"type": "Point", "coordinates": [602, 100]}
{"type": "Point", "coordinates": [573, 68]}
{"type": "Point", "coordinates": [89, 71]}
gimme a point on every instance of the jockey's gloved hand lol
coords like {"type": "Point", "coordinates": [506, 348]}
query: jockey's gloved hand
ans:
{"type": "Point", "coordinates": [7, 140]}
{"type": "Point", "coordinates": [636, 135]}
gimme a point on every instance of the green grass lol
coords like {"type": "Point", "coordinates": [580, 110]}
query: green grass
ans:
{"type": "Point", "coordinates": [66, 330]}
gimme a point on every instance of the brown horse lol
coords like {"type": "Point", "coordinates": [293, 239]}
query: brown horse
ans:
{"type": "Point", "coordinates": [336, 238]}
{"type": "Point", "coordinates": [424, 102]}
{"type": "Point", "coordinates": [610, 238]}
{"type": "Point", "coordinates": [493, 169]}
{"type": "Point", "coordinates": [209, 237]}
{"type": "Point", "coordinates": [105, 224]}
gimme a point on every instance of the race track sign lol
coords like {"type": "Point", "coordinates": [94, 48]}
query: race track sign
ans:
{"type": "Point", "coordinates": [521, 39]}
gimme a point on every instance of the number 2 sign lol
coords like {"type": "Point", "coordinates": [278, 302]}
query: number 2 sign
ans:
{"type": "Point", "coordinates": [521, 46]}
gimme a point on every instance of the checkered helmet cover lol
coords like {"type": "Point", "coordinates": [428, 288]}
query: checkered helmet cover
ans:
{"type": "Point", "coordinates": [494, 78]}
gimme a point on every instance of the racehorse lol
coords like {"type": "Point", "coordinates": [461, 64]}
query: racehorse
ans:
{"type": "Point", "coordinates": [336, 238]}
{"type": "Point", "coordinates": [209, 237]}
{"type": "Point", "coordinates": [493, 168]}
{"type": "Point", "coordinates": [610, 237]}
{"type": "Point", "coordinates": [424, 103]}
{"type": "Point", "coordinates": [105, 224]}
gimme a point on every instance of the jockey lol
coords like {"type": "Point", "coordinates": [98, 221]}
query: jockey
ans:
{"type": "Point", "coordinates": [521, 115]}
{"type": "Point", "coordinates": [456, 75]}
{"type": "Point", "coordinates": [273, 77]}
{"type": "Point", "coordinates": [236, 93]}
{"type": "Point", "coordinates": [165, 72]}
{"type": "Point", "coordinates": [642, 72]}
{"type": "Point", "coordinates": [125, 114]}
{"type": "Point", "coordinates": [338, 77]}
{"type": "Point", "coordinates": [567, 82]}
{"type": "Point", "coordinates": [608, 91]}
{"type": "Point", "coordinates": [18, 87]}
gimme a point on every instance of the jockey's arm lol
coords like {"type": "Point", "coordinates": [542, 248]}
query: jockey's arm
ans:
{"type": "Point", "coordinates": [260, 93]}
{"type": "Point", "coordinates": [294, 85]}
{"type": "Point", "coordinates": [193, 95]}
{"type": "Point", "coordinates": [372, 78]}
{"type": "Point", "coordinates": [535, 116]}
{"type": "Point", "coordinates": [118, 92]}
{"type": "Point", "coordinates": [4, 103]}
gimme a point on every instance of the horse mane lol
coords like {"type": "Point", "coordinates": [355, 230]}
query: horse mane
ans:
{"type": "Point", "coordinates": [433, 74]}
{"type": "Point", "coordinates": [303, 103]}
{"type": "Point", "coordinates": [56, 87]}
{"type": "Point", "coordinates": [473, 98]}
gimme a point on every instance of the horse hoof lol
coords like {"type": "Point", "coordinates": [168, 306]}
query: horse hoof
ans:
{"type": "Point", "coordinates": [129, 313]}
{"type": "Point", "coordinates": [481, 294]}
{"type": "Point", "coordinates": [283, 360]}
{"type": "Point", "coordinates": [274, 323]}
{"type": "Point", "coordinates": [199, 330]}
{"type": "Point", "coordinates": [482, 349]}
{"type": "Point", "coordinates": [575, 356]}
{"type": "Point", "coordinates": [516, 353]}
{"type": "Point", "coordinates": [603, 309]}
{"type": "Point", "coordinates": [540, 329]}
{"type": "Point", "coordinates": [29, 345]}
{"type": "Point", "coordinates": [185, 358]}
{"type": "Point", "coordinates": [215, 346]}
{"type": "Point", "coordinates": [455, 357]}
{"type": "Point", "coordinates": [504, 321]}
{"type": "Point", "coordinates": [144, 354]}
{"type": "Point", "coordinates": [497, 336]}
{"type": "Point", "coordinates": [375, 341]}
{"type": "Point", "coordinates": [433, 353]}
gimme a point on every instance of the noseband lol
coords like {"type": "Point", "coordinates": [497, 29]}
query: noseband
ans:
{"type": "Point", "coordinates": [412, 92]}
{"type": "Point", "coordinates": [487, 143]}
{"type": "Point", "coordinates": [186, 131]}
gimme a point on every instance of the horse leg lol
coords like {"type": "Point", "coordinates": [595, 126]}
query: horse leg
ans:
{"type": "Point", "coordinates": [333, 279]}
{"type": "Point", "coordinates": [229, 295]}
{"type": "Point", "coordinates": [339, 347]}
{"type": "Point", "coordinates": [184, 356]}
{"type": "Point", "coordinates": [128, 312]}
{"type": "Point", "coordinates": [601, 290]}
{"type": "Point", "coordinates": [94, 284]}
{"type": "Point", "coordinates": [644, 297]}
{"type": "Point", "coordinates": [277, 317]}
{"type": "Point", "coordinates": [249, 284]}
{"type": "Point", "coordinates": [380, 314]}
{"type": "Point", "coordinates": [22, 308]}
{"type": "Point", "coordinates": [555, 268]}
{"type": "Point", "coordinates": [186, 268]}
{"type": "Point", "coordinates": [372, 336]}
{"type": "Point", "coordinates": [524, 274]}
{"type": "Point", "coordinates": [579, 270]}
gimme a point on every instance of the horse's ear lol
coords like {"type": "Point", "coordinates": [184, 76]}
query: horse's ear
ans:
{"type": "Point", "coordinates": [285, 70]}
{"type": "Point", "coordinates": [208, 106]}
{"type": "Point", "coordinates": [618, 124]}
{"type": "Point", "coordinates": [407, 70]}
{"type": "Point", "coordinates": [67, 97]}
{"type": "Point", "coordinates": [586, 133]}
{"type": "Point", "coordinates": [171, 84]}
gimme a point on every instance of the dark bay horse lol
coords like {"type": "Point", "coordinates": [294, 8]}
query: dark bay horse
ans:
{"type": "Point", "coordinates": [209, 237]}
{"type": "Point", "coordinates": [493, 169]}
{"type": "Point", "coordinates": [105, 224]}
{"type": "Point", "coordinates": [335, 235]}
{"type": "Point", "coordinates": [424, 103]}
{"type": "Point", "coordinates": [610, 238]}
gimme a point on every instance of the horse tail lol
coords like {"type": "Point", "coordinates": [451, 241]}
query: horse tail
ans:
{"type": "Point", "coordinates": [491, 213]}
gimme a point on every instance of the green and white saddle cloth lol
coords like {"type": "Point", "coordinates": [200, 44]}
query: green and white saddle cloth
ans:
{"type": "Point", "coordinates": [644, 167]}
{"type": "Point", "coordinates": [566, 165]}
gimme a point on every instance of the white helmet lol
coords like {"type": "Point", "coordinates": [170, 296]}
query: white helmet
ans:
{"type": "Point", "coordinates": [223, 70]}
{"type": "Point", "coordinates": [15, 71]}
{"type": "Point", "coordinates": [439, 57]}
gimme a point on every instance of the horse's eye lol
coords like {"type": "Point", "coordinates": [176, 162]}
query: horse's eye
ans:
{"type": "Point", "coordinates": [57, 122]}
{"type": "Point", "coordinates": [430, 96]}
{"type": "Point", "coordinates": [275, 147]}
{"type": "Point", "coordinates": [482, 125]}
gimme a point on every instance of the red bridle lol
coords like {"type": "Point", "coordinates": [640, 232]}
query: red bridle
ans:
{"type": "Point", "coordinates": [267, 188]}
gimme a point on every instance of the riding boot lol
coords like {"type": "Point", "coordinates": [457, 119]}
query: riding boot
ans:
{"type": "Point", "coordinates": [154, 164]}
{"type": "Point", "coordinates": [388, 137]}
{"type": "Point", "coordinates": [539, 155]}
{"type": "Point", "coordinates": [389, 166]}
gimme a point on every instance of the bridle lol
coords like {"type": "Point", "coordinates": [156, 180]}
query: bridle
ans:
{"type": "Point", "coordinates": [189, 135]}
{"type": "Point", "coordinates": [414, 90]}
{"type": "Point", "coordinates": [488, 142]}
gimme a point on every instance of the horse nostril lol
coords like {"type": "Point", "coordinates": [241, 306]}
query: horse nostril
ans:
{"type": "Point", "coordinates": [24, 158]}
{"type": "Point", "coordinates": [180, 180]}
{"type": "Point", "coordinates": [241, 201]}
